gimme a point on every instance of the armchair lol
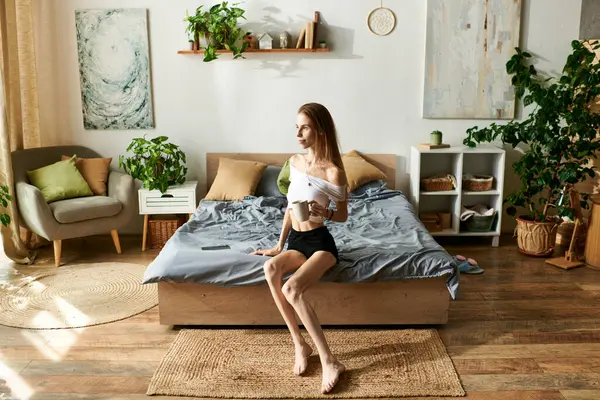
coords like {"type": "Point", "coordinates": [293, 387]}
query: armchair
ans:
{"type": "Point", "coordinates": [70, 218]}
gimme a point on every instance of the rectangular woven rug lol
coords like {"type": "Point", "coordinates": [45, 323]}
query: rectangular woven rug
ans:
{"type": "Point", "coordinates": [252, 364]}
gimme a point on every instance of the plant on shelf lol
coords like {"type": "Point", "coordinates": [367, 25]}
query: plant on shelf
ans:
{"type": "Point", "coordinates": [156, 162]}
{"type": "Point", "coordinates": [435, 138]}
{"type": "Point", "coordinates": [218, 26]}
{"type": "Point", "coordinates": [559, 138]}
{"type": "Point", "coordinates": [4, 199]}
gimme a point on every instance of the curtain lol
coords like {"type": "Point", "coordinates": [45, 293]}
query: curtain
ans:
{"type": "Point", "coordinates": [19, 109]}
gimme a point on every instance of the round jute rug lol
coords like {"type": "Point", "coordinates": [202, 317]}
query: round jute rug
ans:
{"type": "Point", "coordinates": [75, 296]}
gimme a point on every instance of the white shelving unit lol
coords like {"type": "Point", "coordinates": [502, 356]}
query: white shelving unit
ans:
{"type": "Point", "coordinates": [488, 160]}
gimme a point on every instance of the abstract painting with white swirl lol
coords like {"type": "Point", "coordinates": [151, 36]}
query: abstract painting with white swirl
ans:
{"type": "Point", "coordinates": [114, 68]}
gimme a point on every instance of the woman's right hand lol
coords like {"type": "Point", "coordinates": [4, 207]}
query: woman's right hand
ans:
{"type": "Point", "coordinates": [269, 252]}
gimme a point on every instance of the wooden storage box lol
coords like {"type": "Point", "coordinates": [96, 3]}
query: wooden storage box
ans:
{"type": "Point", "coordinates": [436, 222]}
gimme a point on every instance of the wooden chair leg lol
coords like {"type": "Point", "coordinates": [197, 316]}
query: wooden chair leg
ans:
{"type": "Point", "coordinates": [57, 249]}
{"type": "Point", "coordinates": [115, 238]}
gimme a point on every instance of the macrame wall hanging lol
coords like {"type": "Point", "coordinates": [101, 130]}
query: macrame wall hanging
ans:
{"type": "Point", "coordinates": [381, 20]}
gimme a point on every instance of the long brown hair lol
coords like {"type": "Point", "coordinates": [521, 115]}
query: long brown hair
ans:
{"type": "Point", "coordinates": [326, 143]}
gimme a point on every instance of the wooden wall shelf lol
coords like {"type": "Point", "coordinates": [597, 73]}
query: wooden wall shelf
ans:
{"type": "Point", "coordinates": [319, 50]}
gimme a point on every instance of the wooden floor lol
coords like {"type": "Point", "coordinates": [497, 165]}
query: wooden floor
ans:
{"type": "Point", "coordinates": [522, 330]}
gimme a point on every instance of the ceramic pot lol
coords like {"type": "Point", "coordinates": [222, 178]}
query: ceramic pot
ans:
{"type": "Point", "coordinates": [435, 139]}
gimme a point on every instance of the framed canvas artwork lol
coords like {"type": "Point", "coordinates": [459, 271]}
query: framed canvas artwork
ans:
{"type": "Point", "coordinates": [467, 46]}
{"type": "Point", "coordinates": [114, 68]}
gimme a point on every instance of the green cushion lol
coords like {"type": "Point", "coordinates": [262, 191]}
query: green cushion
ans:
{"type": "Point", "coordinates": [283, 180]}
{"type": "Point", "coordinates": [60, 181]}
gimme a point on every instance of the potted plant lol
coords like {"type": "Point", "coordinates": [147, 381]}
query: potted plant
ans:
{"type": "Point", "coordinates": [558, 140]}
{"type": "Point", "coordinates": [156, 162]}
{"type": "Point", "coordinates": [218, 26]}
{"type": "Point", "coordinates": [435, 138]}
{"type": "Point", "coordinates": [4, 199]}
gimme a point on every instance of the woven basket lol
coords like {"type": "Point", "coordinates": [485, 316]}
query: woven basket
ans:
{"type": "Point", "coordinates": [477, 183]}
{"type": "Point", "coordinates": [479, 223]}
{"type": "Point", "coordinates": [161, 230]}
{"type": "Point", "coordinates": [438, 183]}
{"type": "Point", "coordinates": [536, 238]}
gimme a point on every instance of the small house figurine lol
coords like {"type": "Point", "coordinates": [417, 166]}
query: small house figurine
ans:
{"type": "Point", "coordinates": [265, 41]}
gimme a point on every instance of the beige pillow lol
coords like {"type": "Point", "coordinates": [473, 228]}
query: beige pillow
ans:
{"type": "Point", "coordinates": [235, 179]}
{"type": "Point", "coordinates": [359, 171]}
{"type": "Point", "coordinates": [94, 171]}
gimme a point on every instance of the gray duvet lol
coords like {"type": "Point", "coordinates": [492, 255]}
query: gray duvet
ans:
{"type": "Point", "coordinates": [381, 240]}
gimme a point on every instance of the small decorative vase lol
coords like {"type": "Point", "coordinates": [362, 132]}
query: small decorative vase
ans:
{"type": "Point", "coordinates": [435, 138]}
{"type": "Point", "coordinates": [284, 40]}
{"type": "Point", "coordinates": [323, 45]}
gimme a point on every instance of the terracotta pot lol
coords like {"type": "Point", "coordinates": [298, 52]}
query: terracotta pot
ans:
{"type": "Point", "coordinates": [536, 239]}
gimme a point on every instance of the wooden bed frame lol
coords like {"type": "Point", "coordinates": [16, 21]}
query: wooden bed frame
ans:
{"type": "Point", "coordinates": [402, 302]}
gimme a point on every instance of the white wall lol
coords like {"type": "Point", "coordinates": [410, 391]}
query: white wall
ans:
{"type": "Point", "coordinates": [372, 85]}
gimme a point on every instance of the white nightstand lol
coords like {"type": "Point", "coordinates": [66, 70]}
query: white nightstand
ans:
{"type": "Point", "coordinates": [179, 199]}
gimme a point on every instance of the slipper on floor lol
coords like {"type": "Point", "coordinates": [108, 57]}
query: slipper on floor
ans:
{"type": "Point", "coordinates": [467, 265]}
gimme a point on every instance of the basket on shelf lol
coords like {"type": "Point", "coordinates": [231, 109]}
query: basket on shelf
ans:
{"type": "Point", "coordinates": [161, 230]}
{"type": "Point", "coordinates": [438, 183]}
{"type": "Point", "coordinates": [477, 183]}
{"type": "Point", "coordinates": [477, 218]}
{"type": "Point", "coordinates": [479, 223]}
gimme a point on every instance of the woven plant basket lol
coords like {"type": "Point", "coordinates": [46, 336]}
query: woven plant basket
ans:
{"type": "Point", "coordinates": [477, 183]}
{"type": "Point", "coordinates": [536, 238]}
{"type": "Point", "coordinates": [161, 230]}
{"type": "Point", "coordinates": [438, 183]}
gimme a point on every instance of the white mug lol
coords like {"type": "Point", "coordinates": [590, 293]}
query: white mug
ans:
{"type": "Point", "coordinates": [300, 209]}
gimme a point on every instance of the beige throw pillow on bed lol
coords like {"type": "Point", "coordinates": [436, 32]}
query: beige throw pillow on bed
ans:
{"type": "Point", "coordinates": [359, 171]}
{"type": "Point", "coordinates": [235, 179]}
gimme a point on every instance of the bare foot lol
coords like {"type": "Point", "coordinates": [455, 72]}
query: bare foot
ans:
{"type": "Point", "coordinates": [302, 353]}
{"type": "Point", "coordinates": [331, 375]}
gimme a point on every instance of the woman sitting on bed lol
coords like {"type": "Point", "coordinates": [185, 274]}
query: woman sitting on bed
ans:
{"type": "Point", "coordinates": [317, 177]}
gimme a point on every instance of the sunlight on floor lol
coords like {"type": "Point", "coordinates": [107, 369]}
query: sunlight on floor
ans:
{"type": "Point", "coordinates": [41, 339]}
{"type": "Point", "coordinates": [68, 337]}
{"type": "Point", "coordinates": [18, 387]}
{"type": "Point", "coordinates": [37, 286]}
{"type": "Point", "coordinates": [71, 313]}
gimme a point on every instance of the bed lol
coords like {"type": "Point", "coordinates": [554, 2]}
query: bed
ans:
{"type": "Point", "coordinates": [391, 270]}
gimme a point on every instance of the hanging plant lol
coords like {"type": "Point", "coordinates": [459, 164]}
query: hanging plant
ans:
{"type": "Point", "coordinates": [218, 26]}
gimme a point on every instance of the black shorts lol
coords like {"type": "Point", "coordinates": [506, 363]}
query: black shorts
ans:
{"type": "Point", "coordinates": [310, 242]}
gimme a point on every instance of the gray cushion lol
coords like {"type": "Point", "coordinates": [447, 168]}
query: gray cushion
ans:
{"type": "Point", "coordinates": [84, 208]}
{"type": "Point", "coordinates": [267, 186]}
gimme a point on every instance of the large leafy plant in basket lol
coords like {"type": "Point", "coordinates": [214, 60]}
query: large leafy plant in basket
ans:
{"type": "Point", "coordinates": [559, 138]}
{"type": "Point", "coordinates": [156, 162]}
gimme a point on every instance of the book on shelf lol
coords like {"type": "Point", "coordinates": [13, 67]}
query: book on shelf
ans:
{"type": "Point", "coordinates": [310, 33]}
{"type": "Point", "coordinates": [317, 19]}
{"type": "Point", "coordinates": [300, 43]}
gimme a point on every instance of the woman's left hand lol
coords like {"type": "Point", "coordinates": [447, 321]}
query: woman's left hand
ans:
{"type": "Point", "coordinates": [317, 210]}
